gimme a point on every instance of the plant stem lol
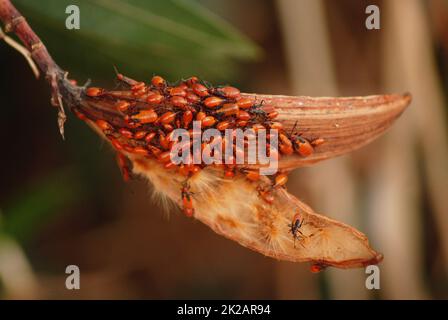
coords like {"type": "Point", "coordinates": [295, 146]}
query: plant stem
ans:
{"type": "Point", "coordinates": [16, 23]}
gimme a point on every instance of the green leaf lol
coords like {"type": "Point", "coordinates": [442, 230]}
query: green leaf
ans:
{"type": "Point", "coordinates": [38, 204]}
{"type": "Point", "coordinates": [175, 38]}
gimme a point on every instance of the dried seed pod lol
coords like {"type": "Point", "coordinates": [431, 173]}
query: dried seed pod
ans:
{"type": "Point", "coordinates": [345, 123]}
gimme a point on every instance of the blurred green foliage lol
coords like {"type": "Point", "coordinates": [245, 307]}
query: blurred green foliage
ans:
{"type": "Point", "coordinates": [174, 38]}
{"type": "Point", "coordinates": [35, 205]}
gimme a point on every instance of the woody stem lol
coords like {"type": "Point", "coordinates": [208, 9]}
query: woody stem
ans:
{"type": "Point", "coordinates": [15, 22]}
{"type": "Point", "coordinates": [62, 89]}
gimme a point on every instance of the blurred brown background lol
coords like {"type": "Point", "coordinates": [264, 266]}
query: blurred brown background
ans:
{"type": "Point", "coordinates": [63, 202]}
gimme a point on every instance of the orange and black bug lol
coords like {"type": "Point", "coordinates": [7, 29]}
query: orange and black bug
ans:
{"type": "Point", "coordinates": [285, 145]}
{"type": "Point", "coordinates": [294, 227]}
{"type": "Point", "coordinates": [228, 109]}
{"type": "Point", "coordinates": [94, 91]}
{"type": "Point", "coordinates": [280, 180]}
{"type": "Point", "coordinates": [178, 101]}
{"type": "Point", "coordinates": [317, 267]}
{"type": "Point", "coordinates": [301, 145]}
{"type": "Point", "coordinates": [228, 92]}
{"type": "Point", "coordinates": [145, 116]}
{"type": "Point", "coordinates": [103, 125]}
{"type": "Point", "coordinates": [213, 102]}
{"type": "Point", "coordinates": [167, 117]}
{"type": "Point", "coordinates": [200, 90]}
{"type": "Point", "coordinates": [158, 81]}
{"type": "Point", "coordinates": [187, 117]}
{"type": "Point", "coordinates": [154, 98]}
{"type": "Point", "coordinates": [126, 133]}
{"type": "Point", "coordinates": [123, 105]}
{"type": "Point", "coordinates": [192, 98]}
{"type": "Point", "coordinates": [178, 91]}
{"type": "Point", "coordinates": [187, 199]}
{"type": "Point", "coordinates": [245, 103]}
{"type": "Point", "coordinates": [123, 165]}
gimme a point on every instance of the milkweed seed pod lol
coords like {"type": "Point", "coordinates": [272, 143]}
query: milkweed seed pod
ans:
{"type": "Point", "coordinates": [140, 120]}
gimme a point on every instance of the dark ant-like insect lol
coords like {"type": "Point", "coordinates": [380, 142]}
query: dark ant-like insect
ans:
{"type": "Point", "coordinates": [294, 228]}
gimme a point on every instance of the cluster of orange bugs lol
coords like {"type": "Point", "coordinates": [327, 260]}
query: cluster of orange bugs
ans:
{"type": "Point", "coordinates": [152, 111]}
